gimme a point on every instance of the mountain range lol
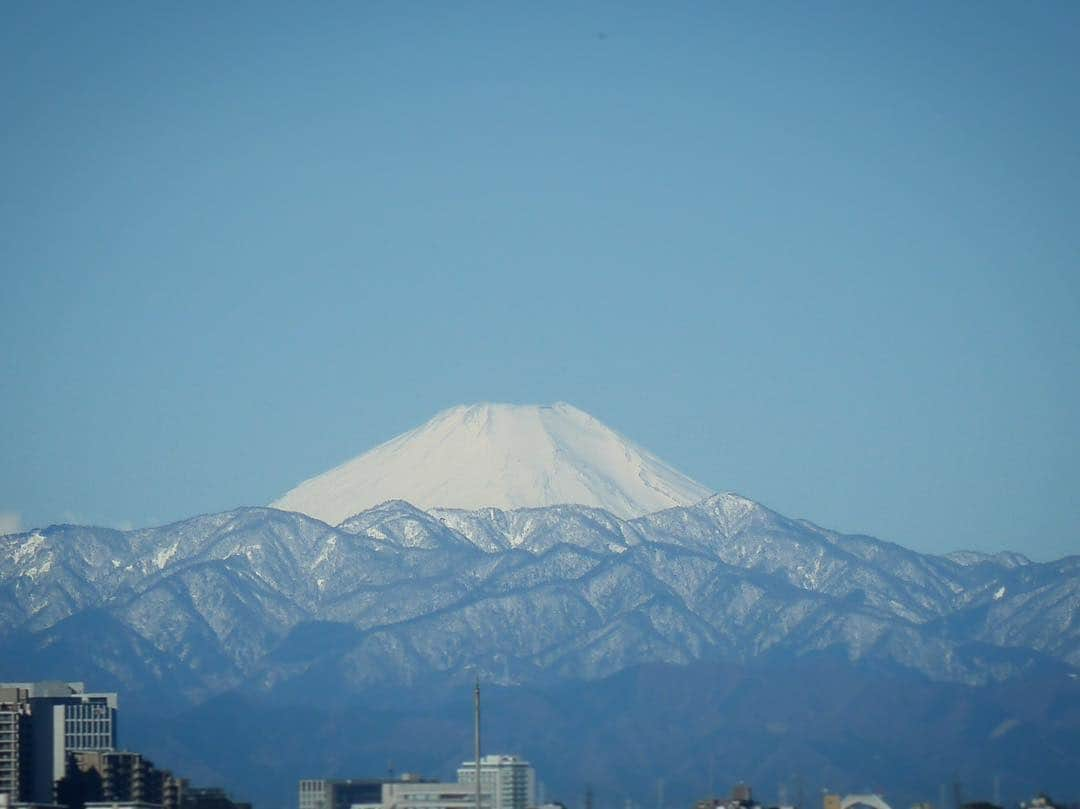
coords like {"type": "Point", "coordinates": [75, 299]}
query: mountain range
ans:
{"type": "Point", "coordinates": [286, 608]}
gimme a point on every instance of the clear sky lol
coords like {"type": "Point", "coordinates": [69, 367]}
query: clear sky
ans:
{"type": "Point", "coordinates": [822, 255]}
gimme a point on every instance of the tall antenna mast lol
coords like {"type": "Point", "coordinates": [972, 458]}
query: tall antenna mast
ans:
{"type": "Point", "coordinates": [476, 704]}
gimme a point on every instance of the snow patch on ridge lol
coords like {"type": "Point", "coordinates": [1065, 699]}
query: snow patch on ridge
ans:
{"type": "Point", "coordinates": [165, 555]}
{"type": "Point", "coordinates": [28, 548]}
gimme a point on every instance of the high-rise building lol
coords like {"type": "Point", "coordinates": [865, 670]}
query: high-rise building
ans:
{"type": "Point", "coordinates": [510, 781]}
{"type": "Point", "coordinates": [15, 761]}
{"type": "Point", "coordinates": [63, 719]}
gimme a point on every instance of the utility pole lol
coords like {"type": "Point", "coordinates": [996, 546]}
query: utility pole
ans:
{"type": "Point", "coordinates": [476, 746]}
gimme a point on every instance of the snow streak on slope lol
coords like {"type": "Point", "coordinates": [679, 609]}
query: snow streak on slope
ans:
{"type": "Point", "coordinates": [506, 456]}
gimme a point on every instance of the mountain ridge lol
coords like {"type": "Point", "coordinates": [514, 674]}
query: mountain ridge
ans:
{"type": "Point", "coordinates": [723, 577]}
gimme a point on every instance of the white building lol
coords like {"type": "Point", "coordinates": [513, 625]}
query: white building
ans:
{"type": "Point", "coordinates": [511, 780]}
{"type": "Point", "coordinates": [432, 795]}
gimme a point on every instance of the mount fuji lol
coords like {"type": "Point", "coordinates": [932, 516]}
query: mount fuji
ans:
{"type": "Point", "coordinates": [502, 456]}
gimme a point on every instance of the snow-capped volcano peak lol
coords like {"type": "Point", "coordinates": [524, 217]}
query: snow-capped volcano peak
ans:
{"type": "Point", "coordinates": [501, 455]}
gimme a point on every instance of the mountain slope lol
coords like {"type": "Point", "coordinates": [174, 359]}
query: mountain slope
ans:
{"type": "Point", "coordinates": [505, 456]}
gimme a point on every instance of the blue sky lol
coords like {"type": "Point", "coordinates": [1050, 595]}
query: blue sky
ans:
{"type": "Point", "coordinates": [822, 255]}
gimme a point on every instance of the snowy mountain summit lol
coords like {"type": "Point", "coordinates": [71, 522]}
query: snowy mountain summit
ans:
{"type": "Point", "coordinates": [500, 455]}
